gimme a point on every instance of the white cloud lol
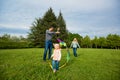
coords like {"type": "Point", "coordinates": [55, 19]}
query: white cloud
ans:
{"type": "Point", "coordinates": [71, 5]}
{"type": "Point", "coordinates": [81, 16]}
{"type": "Point", "coordinates": [15, 34]}
{"type": "Point", "coordinates": [14, 26]}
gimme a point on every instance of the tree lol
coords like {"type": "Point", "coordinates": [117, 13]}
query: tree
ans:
{"type": "Point", "coordinates": [5, 37]}
{"type": "Point", "coordinates": [95, 42]}
{"type": "Point", "coordinates": [86, 42]}
{"type": "Point", "coordinates": [40, 25]}
{"type": "Point", "coordinates": [49, 19]}
{"type": "Point", "coordinates": [36, 35]}
{"type": "Point", "coordinates": [62, 25]}
{"type": "Point", "coordinates": [113, 41]}
{"type": "Point", "coordinates": [102, 42]}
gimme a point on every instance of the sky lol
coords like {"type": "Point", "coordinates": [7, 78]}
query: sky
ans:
{"type": "Point", "coordinates": [85, 17]}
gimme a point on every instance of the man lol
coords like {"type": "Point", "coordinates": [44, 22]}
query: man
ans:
{"type": "Point", "coordinates": [48, 42]}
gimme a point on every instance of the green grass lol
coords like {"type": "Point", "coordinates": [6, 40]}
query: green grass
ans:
{"type": "Point", "coordinates": [91, 64]}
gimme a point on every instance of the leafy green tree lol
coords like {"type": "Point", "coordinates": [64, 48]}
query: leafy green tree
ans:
{"type": "Point", "coordinates": [86, 42]}
{"type": "Point", "coordinates": [8, 42]}
{"type": "Point", "coordinates": [102, 42]}
{"type": "Point", "coordinates": [95, 42]}
{"type": "Point", "coordinates": [5, 37]}
{"type": "Point", "coordinates": [113, 41]}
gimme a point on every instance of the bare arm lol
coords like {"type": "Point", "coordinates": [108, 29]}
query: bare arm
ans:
{"type": "Point", "coordinates": [71, 45]}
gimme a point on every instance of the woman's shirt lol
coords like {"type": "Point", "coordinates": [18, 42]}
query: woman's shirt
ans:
{"type": "Point", "coordinates": [75, 44]}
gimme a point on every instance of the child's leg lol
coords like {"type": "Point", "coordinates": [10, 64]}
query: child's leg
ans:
{"type": "Point", "coordinates": [57, 65]}
{"type": "Point", "coordinates": [53, 64]}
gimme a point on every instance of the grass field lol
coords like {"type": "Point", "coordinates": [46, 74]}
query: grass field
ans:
{"type": "Point", "coordinates": [91, 64]}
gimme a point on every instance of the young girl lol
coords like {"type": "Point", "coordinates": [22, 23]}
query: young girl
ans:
{"type": "Point", "coordinates": [56, 56]}
{"type": "Point", "coordinates": [74, 45]}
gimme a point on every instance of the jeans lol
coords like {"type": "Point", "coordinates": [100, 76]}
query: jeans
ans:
{"type": "Point", "coordinates": [74, 52]}
{"type": "Point", "coordinates": [55, 64]}
{"type": "Point", "coordinates": [48, 45]}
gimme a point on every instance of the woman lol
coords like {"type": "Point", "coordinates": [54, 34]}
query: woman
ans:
{"type": "Point", "coordinates": [74, 45]}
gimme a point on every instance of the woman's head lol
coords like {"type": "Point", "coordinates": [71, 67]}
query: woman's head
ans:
{"type": "Point", "coordinates": [75, 39]}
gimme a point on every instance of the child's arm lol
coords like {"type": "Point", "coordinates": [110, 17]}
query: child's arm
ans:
{"type": "Point", "coordinates": [59, 56]}
{"type": "Point", "coordinates": [54, 44]}
{"type": "Point", "coordinates": [52, 55]}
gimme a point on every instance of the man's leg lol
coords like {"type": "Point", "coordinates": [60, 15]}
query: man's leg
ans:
{"type": "Point", "coordinates": [45, 51]}
{"type": "Point", "coordinates": [50, 50]}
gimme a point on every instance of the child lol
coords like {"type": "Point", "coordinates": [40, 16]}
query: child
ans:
{"type": "Point", "coordinates": [56, 56]}
{"type": "Point", "coordinates": [74, 45]}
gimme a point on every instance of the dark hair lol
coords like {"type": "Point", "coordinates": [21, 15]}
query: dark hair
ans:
{"type": "Point", "coordinates": [51, 27]}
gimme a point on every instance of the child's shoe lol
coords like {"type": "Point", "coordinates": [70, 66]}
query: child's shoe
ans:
{"type": "Point", "coordinates": [54, 71]}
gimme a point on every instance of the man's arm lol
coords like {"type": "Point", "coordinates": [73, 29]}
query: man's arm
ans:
{"type": "Point", "coordinates": [51, 32]}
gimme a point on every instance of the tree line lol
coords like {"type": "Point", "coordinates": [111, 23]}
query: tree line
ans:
{"type": "Point", "coordinates": [36, 35]}
{"type": "Point", "coordinates": [11, 42]}
{"type": "Point", "coordinates": [111, 41]}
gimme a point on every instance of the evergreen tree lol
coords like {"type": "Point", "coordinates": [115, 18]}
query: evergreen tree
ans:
{"type": "Point", "coordinates": [37, 34]}
{"type": "Point", "coordinates": [39, 27]}
{"type": "Point", "coordinates": [49, 19]}
{"type": "Point", "coordinates": [62, 25]}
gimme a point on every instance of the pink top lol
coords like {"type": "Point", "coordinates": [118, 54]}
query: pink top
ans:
{"type": "Point", "coordinates": [56, 54]}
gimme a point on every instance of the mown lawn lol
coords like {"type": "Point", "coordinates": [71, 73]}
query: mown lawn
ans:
{"type": "Point", "coordinates": [91, 64]}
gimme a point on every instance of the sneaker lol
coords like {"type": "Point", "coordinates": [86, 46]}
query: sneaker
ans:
{"type": "Point", "coordinates": [54, 71]}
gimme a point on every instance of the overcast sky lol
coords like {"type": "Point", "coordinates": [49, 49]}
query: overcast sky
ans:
{"type": "Point", "coordinates": [86, 17]}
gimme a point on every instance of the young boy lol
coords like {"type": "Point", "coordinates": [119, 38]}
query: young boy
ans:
{"type": "Point", "coordinates": [56, 56]}
{"type": "Point", "coordinates": [48, 42]}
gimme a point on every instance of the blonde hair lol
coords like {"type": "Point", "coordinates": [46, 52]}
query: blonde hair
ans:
{"type": "Point", "coordinates": [75, 40]}
{"type": "Point", "coordinates": [56, 45]}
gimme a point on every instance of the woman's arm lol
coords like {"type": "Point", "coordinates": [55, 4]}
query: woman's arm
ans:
{"type": "Point", "coordinates": [71, 45]}
{"type": "Point", "coordinates": [78, 45]}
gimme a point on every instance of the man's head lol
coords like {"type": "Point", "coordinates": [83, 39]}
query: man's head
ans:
{"type": "Point", "coordinates": [51, 28]}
